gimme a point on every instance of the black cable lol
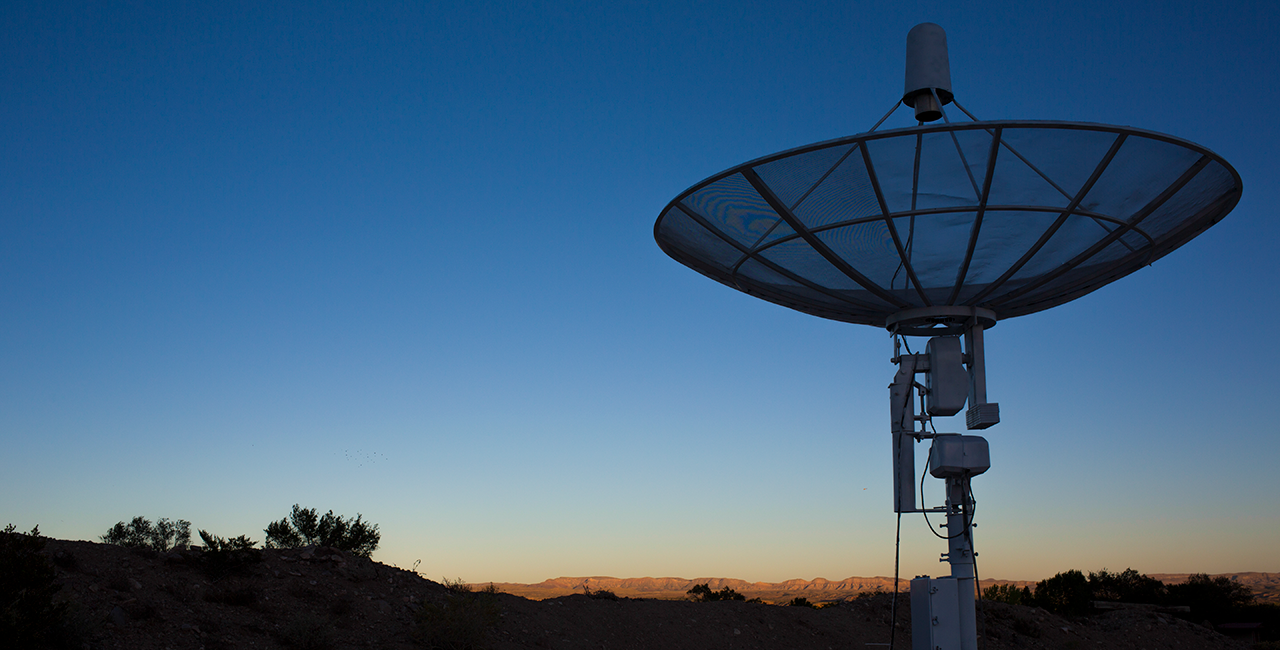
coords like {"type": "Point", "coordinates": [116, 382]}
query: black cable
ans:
{"type": "Point", "coordinates": [977, 581]}
{"type": "Point", "coordinates": [897, 536]}
{"type": "Point", "coordinates": [893, 608]}
{"type": "Point", "coordinates": [924, 509]}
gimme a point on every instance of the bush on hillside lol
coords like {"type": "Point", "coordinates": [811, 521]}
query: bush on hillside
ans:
{"type": "Point", "coordinates": [702, 593]}
{"type": "Point", "coordinates": [1128, 586]}
{"type": "Point", "coordinates": [28, 616]}
{"type": "Point", "coordinates": [1010, 594]}
{"type": "Point", "coordinates": [1065, 593]}
{"type": "Point", "coordinates": [1211, 598]}
{"type": "Point", "coordinates": [162, 536]}
{"type": "Point", "coordinates": [225, 557]}
{"type": "Point", "coordinates": [215, 544]}
{"type": "Point", "coordinates": [1215, 599]}
{"type": "Point", "coordinates": [304, 527]}
{"type": "Point", "coordinates": [598, 594]}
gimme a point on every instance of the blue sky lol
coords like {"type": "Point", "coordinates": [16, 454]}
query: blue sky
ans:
{"type": "Point", "coordinates": [398, 260]}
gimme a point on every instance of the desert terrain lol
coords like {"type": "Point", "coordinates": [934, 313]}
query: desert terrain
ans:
{"type": "Point", "coordinates": [321, 598]}
{"type": "Point", "coordinates": [1265, 586]}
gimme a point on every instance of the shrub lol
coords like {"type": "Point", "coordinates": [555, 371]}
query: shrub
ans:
{"type": "Point", "coordinates": [458, 586]}
{"type": "Point", "coordinates": [1010, 594]}
{"type": "Point", "coordinates": [598, 594]}
{"type": "Point", "coordinates": [304, 527]}
{"type": "Point", "coordinates": [162, 536]}
{"type": "Point", "coordinates": [215, 544]}
{"type": "Point", "coordinates": [224, 557]}
{"type": "Point", "coordinates": [462, 622]}
{"type": "Point", "coordinates": [1128, 586]}
{"type": "Point", "coordinates": [28, 616]}
{"type": "Point", "coordinates": [702, 593]}
{"type": "Point", "coordinates": [800, 601]}
{"type": "Point", "coordinates": [1211, 598]}
{"type": "Point", "coordinates": [1065, 593]}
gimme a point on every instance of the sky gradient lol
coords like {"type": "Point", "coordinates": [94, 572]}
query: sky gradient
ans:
{"type": "Point", "coordinates": [398, 260]}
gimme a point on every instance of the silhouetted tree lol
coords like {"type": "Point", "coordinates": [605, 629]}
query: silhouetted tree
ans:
{"type": "Point", "coordinates": [303, 527]}
{"type": "Point", "coordinates": [1010, 594]}
{"type": "Point", "coordinates": [1065, 593]}
{"type": "Point", "coordinates": [162, 536]}
{"type": "Point", "coordinates": [1128, 586]}
{"type": "Point", "coordinates": [702, 593]}
{"type": "Point", "coordinates": [1211, 598]}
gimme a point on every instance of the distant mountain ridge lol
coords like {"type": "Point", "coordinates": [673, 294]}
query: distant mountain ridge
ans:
{"type": "Point", "coordinates": [1265, 585]}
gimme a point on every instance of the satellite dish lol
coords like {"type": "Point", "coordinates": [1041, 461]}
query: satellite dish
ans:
{"type": "Point", "coordinates": [939, 230]}
{"type": "Point", "coordinates": [1012, 217]}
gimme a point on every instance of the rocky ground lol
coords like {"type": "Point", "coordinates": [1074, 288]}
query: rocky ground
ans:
{"type": "Point", "coordinates": [320, 598]}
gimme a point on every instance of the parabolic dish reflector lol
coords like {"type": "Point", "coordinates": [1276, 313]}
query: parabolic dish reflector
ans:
{"type": "Point", "coordinates": [1007, 216]}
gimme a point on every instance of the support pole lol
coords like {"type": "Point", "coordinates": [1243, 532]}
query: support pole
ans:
{"type": "Point", "coordinates": [960, 556]}
{"type": "Point", "coordinates": [943, 610]}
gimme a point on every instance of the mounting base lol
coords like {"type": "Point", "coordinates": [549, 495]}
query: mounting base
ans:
{"type": "Point", "coordinates": [935, 614]}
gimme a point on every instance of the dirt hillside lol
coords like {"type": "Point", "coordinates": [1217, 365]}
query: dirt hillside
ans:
{"type": "Point", "coordinates": [320, 598]}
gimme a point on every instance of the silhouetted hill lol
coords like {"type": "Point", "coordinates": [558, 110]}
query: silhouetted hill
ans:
{"type": "Point", "coordinates": [318, 597]}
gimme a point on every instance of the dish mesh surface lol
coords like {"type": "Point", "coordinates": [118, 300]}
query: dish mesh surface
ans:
{"type": "Point", "coordinates": [1015, 217]}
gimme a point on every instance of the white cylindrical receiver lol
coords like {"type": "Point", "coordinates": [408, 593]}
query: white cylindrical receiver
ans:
{"type": "Point", "coordinates": [928, 71]}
